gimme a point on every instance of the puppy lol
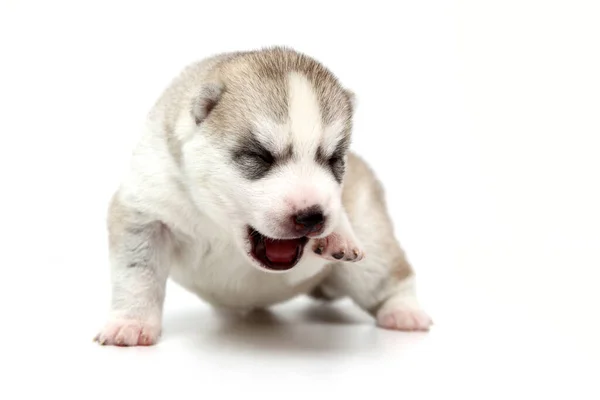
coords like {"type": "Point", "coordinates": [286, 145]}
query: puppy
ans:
{"type": "Point", "coordinates": [243, 191]}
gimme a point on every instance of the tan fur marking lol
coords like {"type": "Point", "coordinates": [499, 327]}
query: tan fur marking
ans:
{"type": "Point", "coordinates": [254, 84]}
{"type": "Point", "coordinates": [360, 179]}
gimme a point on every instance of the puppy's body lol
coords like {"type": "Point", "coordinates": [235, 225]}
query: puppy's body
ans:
{"type": "Point", "coordinates": [242, 149]}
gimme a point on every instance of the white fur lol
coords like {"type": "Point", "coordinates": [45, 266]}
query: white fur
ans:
{"type": "Point", "coordinates": [304, 113]}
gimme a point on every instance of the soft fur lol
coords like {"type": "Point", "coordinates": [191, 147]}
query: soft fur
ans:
{"type": "Point", "coordinates": [198, 180]}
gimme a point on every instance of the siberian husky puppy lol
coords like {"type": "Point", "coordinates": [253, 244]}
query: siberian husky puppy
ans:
{"type": "Point", "coordinates": [243, 191]}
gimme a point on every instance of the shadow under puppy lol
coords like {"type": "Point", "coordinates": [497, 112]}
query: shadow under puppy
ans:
{"type": "Point", "coordinates": [243, 191]}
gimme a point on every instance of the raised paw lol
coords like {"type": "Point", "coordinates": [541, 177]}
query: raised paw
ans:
{"type": "Point", "coordinates": [336, 247]}
{"type": "Point", "coordinates": [128, 332]}
{"type": "Point", "coordinates": [404, 319]}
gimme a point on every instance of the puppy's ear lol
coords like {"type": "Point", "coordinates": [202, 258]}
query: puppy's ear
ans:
{"type": "Point", "coordinates": [205, 101]}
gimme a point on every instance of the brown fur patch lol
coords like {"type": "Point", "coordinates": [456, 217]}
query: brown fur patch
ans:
{"type": "Point", "coordinates": [254, 84]}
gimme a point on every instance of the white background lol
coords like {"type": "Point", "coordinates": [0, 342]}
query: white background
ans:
{"type": "Point", "coordinates": [481, 118]}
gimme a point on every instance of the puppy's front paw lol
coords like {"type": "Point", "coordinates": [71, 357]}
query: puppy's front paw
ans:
{"type": "Point", "coordinates": [337, 247]}
{"type": "Point", "coordinates": [128, 332]}
{"type": "Point", "coordinates": [404, 318]}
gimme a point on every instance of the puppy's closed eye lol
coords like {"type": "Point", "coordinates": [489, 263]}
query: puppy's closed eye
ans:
{"type": "Point", "coordinates": [265, 157]}
{"type": "Point", "coordinates": [254, 164]}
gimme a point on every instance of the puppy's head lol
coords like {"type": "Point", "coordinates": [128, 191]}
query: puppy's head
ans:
{"type": "Point", "coordinates": [266, 150]}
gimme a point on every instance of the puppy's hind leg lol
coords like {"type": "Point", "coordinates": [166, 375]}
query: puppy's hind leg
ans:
{"type": "Point", "coordinates": [139, 256]}
{"type": "Point", "coordinates": [384, 286]}
{"type": "Point", "coordinates": [383, 283]}
{"type": "Point", "coordinates": [401, 310]}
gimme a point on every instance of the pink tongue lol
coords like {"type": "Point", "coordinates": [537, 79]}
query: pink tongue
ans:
{"type": "Point", "coordinates": [281, 251]}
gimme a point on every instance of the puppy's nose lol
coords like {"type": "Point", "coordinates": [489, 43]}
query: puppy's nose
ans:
{"type": "Point", "coordinates": [311, 219]}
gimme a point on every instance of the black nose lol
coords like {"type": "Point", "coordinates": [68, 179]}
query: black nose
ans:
{"type": "Point", "coordinates": [310, 219]}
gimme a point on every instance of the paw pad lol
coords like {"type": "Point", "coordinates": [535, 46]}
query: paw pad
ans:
{"type": "Point", "coordinates": [337, 248]}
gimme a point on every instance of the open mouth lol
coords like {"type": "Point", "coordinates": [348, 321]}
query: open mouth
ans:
{"type": "Point", "coordinates": [276, 254]}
